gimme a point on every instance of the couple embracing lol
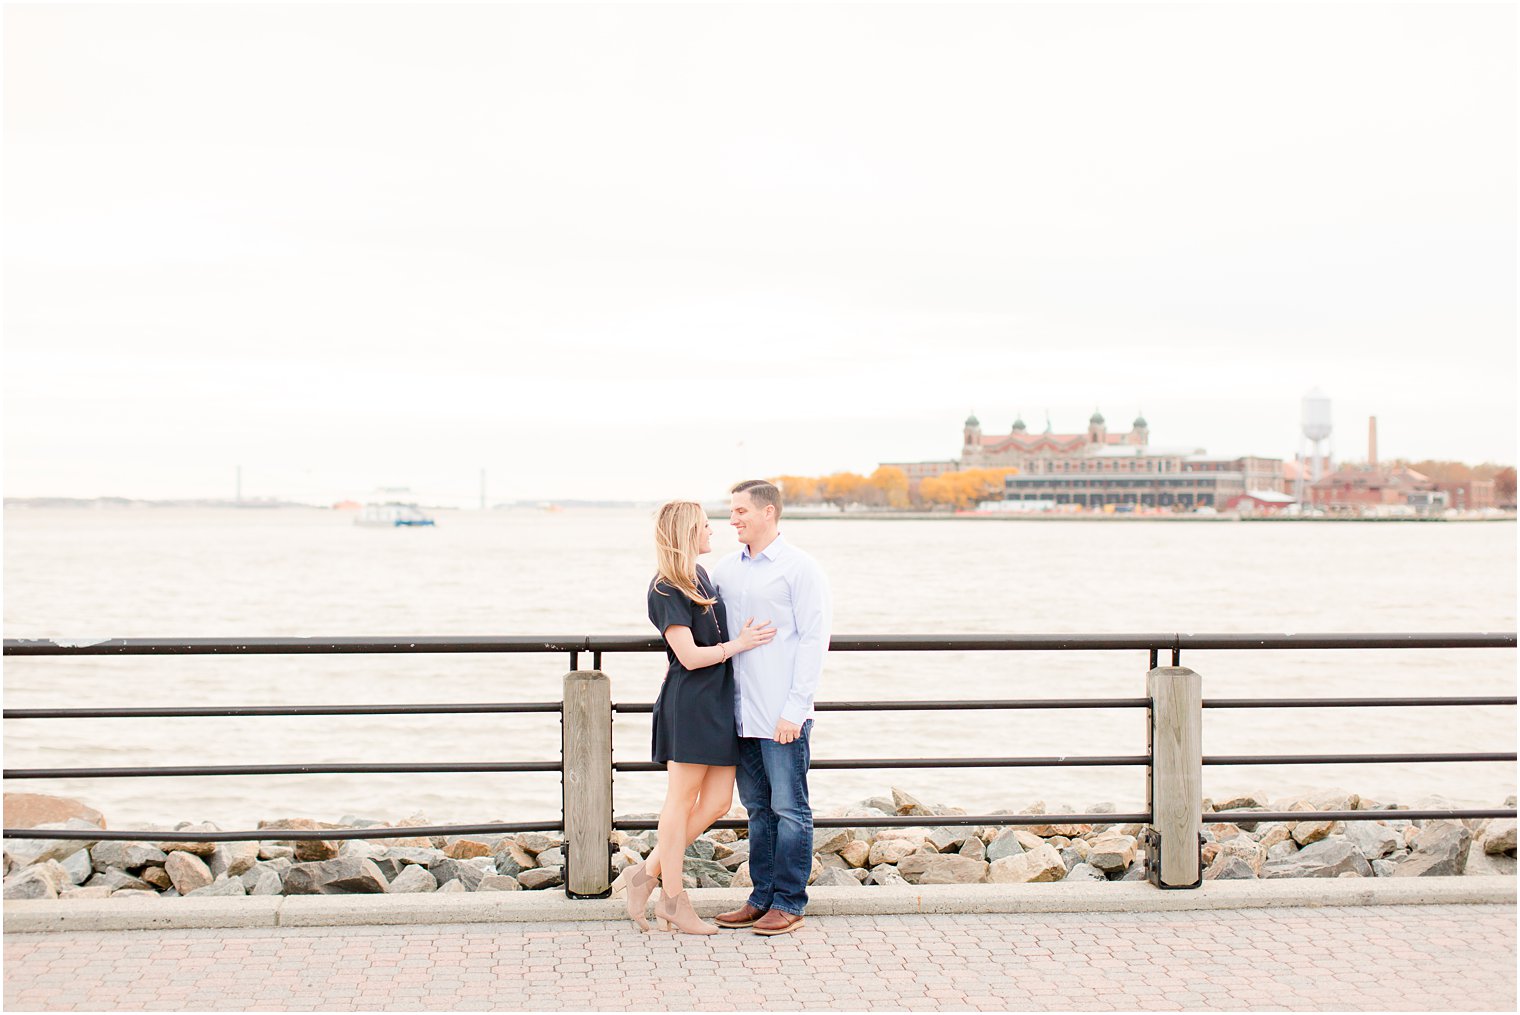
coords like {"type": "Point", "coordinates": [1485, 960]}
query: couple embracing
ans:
{"type": "Point", "coordinates": [737, 699]}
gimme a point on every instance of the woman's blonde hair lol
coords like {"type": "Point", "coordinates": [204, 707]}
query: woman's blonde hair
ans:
{"type": "Point", "coordinates": [677, 539]}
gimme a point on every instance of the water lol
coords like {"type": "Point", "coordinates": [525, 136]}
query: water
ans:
{"type": "Point", "coordinates": [172, 572]}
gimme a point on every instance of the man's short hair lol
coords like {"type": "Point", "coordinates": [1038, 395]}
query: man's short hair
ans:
{"type": "Point", "coordinates": [761, 492]}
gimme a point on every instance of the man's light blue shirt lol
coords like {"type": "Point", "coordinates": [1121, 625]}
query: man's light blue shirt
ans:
{"type": "Point", "coordinates": [785, 586]}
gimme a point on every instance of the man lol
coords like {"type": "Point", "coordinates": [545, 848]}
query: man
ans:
{"type": "Point", "coordinates": [772, 580]}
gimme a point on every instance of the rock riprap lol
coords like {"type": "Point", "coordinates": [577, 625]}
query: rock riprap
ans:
{"type": "Point", "coordinates": [863, 855]}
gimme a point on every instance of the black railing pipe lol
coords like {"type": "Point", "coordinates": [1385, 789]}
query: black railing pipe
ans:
{"type": "Point", "coordinates": [283, 834]}
{"type": "Point", "coordinates": [347, 768]}
{"type": "Point", "coordinates": [1425, 814]}
{"type": "Point", "coordinates": [1355, 702]}
{"type": "Point", "coordinates": [942, 705]}
{"type": "Point", "coordinates": [924, 820]}
{"type": "Point", "coordinates": [839, 643]}
{"type": "Point", "coordinates": [469, 708]}
{"type": "Point", "coordinates": [1349, 759]}
{"type": "Point", "coordinates": [1115, 761]}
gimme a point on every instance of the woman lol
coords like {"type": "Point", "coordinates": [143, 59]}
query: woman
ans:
{"type": "Point", "coordinates": [695, 736]}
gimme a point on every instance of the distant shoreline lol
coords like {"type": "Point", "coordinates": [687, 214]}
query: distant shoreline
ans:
{"type": "Point", "coordinates": [795, 513]}
{"type": "Point", "coordinates": [1011, 516]}
{"type": "Point", "coordinates": [265, 504]}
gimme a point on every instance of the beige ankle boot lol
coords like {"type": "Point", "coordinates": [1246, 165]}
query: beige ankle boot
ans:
{"type": "Point", "coordinates": [676, 910]}
{"type": "Point", "coordinates": [639, 886]}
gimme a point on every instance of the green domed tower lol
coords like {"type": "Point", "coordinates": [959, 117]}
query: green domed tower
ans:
{"type": "Point", "coordinates": [1097, 430]}
{"type": "Point", "coordinates": [972, 438]}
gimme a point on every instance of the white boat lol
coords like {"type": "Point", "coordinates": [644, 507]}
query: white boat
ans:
{"type": "Point", "coordinates": [393, 515]}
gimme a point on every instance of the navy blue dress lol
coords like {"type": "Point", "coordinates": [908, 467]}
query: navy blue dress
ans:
{"type": "Point", "coordinates": [694, 713]}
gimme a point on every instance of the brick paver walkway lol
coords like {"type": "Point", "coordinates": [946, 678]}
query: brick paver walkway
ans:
{"type": "Point", "coordinates": [1394, 957]}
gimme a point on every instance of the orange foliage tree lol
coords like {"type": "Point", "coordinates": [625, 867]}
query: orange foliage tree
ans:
{"type": "Point", "coordinates": [798, 489]}
{"type": "Point", "coordinates": [844, 488]}
{"type": "Point", "coordinates": [1504, 485]}
{"type": "Point", "coordinates": [886, 487]}
{"type": "Point", "coordinates": [1444, 472]}
{"type": "Point", "coordinates": [890, 485]}
{"type": "Point", "coordinates": [964, 489]}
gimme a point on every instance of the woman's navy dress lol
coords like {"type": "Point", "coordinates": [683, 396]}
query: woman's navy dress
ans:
{"type": "Point", "coordinates": [694, 713]}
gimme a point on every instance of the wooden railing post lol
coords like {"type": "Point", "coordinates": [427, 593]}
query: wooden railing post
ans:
{"type": "Point", "coordinates": [1173, 852]}
{"type": "Point", "coordinates": [587, 780]}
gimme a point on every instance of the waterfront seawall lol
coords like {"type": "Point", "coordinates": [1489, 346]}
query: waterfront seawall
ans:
{"type": "Point", "coordinates": [863, 858]}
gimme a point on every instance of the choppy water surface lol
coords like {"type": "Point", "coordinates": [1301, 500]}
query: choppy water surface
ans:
{"type": "Point", "coordinates": [169, 572]}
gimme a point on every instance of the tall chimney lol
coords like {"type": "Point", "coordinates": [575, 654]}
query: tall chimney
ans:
{"type": "Point", "coordinates": [1372, 441]}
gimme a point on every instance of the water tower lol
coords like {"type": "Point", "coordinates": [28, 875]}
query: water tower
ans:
{"type": "Point", "coordinates": [1315, 423]}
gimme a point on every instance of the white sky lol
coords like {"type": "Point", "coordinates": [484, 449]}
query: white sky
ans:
{"type": "Point", "coordinates": [593, 249]}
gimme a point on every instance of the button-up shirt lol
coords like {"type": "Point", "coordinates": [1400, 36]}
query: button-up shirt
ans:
{"type": "Point", "coordinates": [785, 586]}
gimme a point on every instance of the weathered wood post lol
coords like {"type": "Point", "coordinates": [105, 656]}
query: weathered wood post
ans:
{"type": "Point", "coordinates": [1176, 777]}
{"type": "Point", "coordinates": [587, 781]}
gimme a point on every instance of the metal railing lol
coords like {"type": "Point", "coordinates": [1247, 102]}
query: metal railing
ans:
{"type": "Point", "coordinates": [586, 766]}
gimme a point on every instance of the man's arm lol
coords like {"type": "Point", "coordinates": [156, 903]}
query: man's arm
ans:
{"type": "Point", "coordinates": [813, 614]}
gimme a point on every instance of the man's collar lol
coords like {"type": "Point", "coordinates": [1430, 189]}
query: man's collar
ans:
{"type": "Point", "coordinates": [771, 552]}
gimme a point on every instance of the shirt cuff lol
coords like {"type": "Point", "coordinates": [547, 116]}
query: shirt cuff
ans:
{"type": "Point", "coordinates": [794, 715]}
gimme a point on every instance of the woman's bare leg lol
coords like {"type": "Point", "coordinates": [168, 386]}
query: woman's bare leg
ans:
{"type": "Point", "coordinates": [682, 789]}
{"type": "Point", "coordinates": [715, 797]}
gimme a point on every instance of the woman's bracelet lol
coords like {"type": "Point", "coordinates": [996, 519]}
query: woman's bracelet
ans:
{"type": "Point", "coordinates": [723, 646]}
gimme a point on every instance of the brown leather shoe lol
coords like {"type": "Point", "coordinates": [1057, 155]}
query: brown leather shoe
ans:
{"type": "Point", "coordinates": [741, 917]}
{"type": "Point", "coordinates": [776, 922]}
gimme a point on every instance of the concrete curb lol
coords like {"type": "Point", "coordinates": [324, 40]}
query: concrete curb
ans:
{"type": "Point", "coordinates": [34, 916]}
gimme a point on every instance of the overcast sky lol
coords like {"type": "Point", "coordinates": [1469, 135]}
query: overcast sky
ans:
{"type": "Point", "coordinates": [640, 252]}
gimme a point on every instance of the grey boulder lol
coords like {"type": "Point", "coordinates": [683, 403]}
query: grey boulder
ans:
{"type": "Point", "coordinates": [1005, 844]}
{"type": "Point", "coordinates": [711, 869]}
{"type": "Point", "coordinates": [1440, 850]}
{"type": "Point", "coordinates": [1084, 872]}
{"type": "Point", "coordinates": [226, 886]}
{"type": "Point", "coordinates": [1373, 839]}
{"type": "Point", "coordinates": [1325, 858]}
{"type": "Point", "coordinates": [414, 878]}
{"type": "Point", "coordinates": [129, 856]}
{"type": "Point", "coordinates": [835, 876]}
{"type": "Point", "coordinates": [342, 876]}
{"type": "Point", "coordinates": [541, 877]}
{"type": "Point", "coordinates": [468, 874]}
{"type": "Point", "coordinates": [187, 871]}
{"type": "Point", "coordinates": [942, 869]}
{"type": "Point", "coordinates": [1229, 867]}
{"type": "Point", "coordinates": [25, 852]}
{"type": "Point", "coordinates": [77, 866]}
{"type": "Point", "coordinates": [31, 883]}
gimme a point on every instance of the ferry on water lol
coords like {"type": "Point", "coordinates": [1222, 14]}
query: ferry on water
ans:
{"type": "Point", "coordinates": [393, 515]}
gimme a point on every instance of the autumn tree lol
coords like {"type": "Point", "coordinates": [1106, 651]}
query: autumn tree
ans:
{"type": "Point", "coordinates": [1443, 472]}
{"type": "Point", "coordinates": [1504, 485]}
{"type": "Point", "coordinates": [964, 489]}
{"type": "Point", "coordinates": [890, 484]}
{"type": "Point", "coordinates": [843, 488]}
{"type": "Point", "coordinates": [798, 489]}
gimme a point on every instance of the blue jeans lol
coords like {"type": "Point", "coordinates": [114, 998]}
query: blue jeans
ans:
{"type": "Point", "coordinates": [773, 787]}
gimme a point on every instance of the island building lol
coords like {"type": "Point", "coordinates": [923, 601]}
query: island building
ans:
{"type": "Point", "coordinates": [1099, 467]}
{"type": "Point", "coordinates": [1371, 486]}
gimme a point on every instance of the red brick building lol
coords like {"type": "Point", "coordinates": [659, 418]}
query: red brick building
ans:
{"type": "Point", "coordinates": [1353, 487]}
{"type": "Point", "coordinates": [1470, 494]}
{"type": "Point", "coordinates": [1096, 468]}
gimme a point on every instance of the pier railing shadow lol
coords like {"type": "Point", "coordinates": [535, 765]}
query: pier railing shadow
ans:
{"type": "Point", "coordinates": [1173, 759]}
